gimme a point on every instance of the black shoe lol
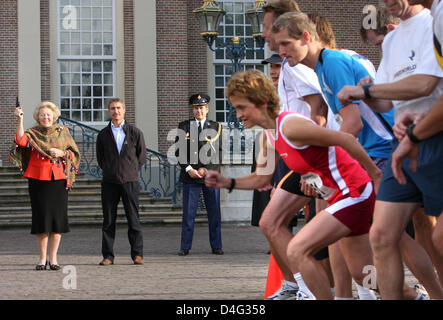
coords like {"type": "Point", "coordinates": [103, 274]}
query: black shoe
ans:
{"type": "Point", "coordinates": [183, 252]}
{"type": "Point", "coordinates": [41, 267]}
{"type": "Point", "coordinates": [54, 266]}
{"type": "Point", "coordinates": [217, 251]}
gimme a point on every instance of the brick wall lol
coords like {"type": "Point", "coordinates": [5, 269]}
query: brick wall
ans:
{"type": "Point", "coordinates": [198, 50]}
{"type": "Point", "coordinates": [9, 74]}
{"type": "Point", "coordinates": [181, 64]}
{"type": "Point", "coordinates": [45, 51]}
{"type": "Point", "coordinates": [182, 55]}
{"type": "Point", "coordinates": [128, 25]}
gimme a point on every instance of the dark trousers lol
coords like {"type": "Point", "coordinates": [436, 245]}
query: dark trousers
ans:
{"type": "Point", "coordinates": [111, 195]}
{"type": "Point", "coordinates": [191, 196]}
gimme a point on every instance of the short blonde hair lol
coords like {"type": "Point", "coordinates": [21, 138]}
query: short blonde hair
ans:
{"type": "Point", "coordinates": [47, 104]}
{"type": "Point", "coordinates": [115, 100]}
{"type": "Point", "coordinates": [295, 23]}
{"type": "Point", "coordinates": [255, 86]}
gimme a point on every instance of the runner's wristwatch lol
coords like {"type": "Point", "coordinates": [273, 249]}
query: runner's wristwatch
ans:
{"type": "Point", "coordinates": [411, 135]}
{"type": "Point", "coordinates": [366, 87]}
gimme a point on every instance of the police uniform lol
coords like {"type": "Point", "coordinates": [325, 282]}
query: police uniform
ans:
{"type": "Point", "coordinates": [201, 150]}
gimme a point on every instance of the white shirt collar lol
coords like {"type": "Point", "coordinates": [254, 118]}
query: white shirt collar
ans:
{"type": "Point", "coordinates": [119, 128]}
{"type": "Point", "coordinates": [202, 122]}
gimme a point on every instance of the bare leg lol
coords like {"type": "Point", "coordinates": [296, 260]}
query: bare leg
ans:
{"type": "Point", "coordinates": [42, 242]}
{"type": "Point", "coordinates": [54, 242]}
{"type": "Point", "coordinates": [326, 264]}
{"type": "Point", "coordinates": [390, 220]}
{"type": "Point", "coordinates": [358, 254]}
{"type": "Point", "coordinates": [274, 224]}
{"type": "Point", "coordinates": [420, 265]}
{"type": "Point", "coordinates": [320, 205]}
{"type": "Point", "coordinates": [424, 226]}
{"type": "Point", "coordinates": [321, 231]}
{"type": "Point", "coordinates": [342, 277]}
{"type": "Point", "coordinates": [350, 247]}
{"type": "Point", "coordinates": [437, 238]}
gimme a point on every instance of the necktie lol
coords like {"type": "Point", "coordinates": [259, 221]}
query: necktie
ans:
{"type": "Point", "coordinates": [199, 127]}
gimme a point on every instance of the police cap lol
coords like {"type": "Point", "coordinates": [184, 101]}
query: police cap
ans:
{"type": "Point", "coordinates": [199, 99]}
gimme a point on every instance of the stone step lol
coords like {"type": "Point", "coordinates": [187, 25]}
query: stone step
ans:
{"type": "Point", "coordinates": [23, 188]}
{"type": "Point", "coordinates": [19, 181]}
{"type": "Point", "coordinates": [91, 214]}
{"type": "Point", "coordinates": [86, 218]}
{"type": "Point", "coordinates": [14, 204]}
{"type": "Point", "coordinates": [98, 222]}
{"type": "Point", "coordinates": [75, 195]}
{"type": "Point", "coordinates": [92, 208]}
{"type": "Point", "coordinates": [84, 198]}
{"type": "Point", "coordinates": [84, 203]}
{"type": "Point", "coordinates": [8, 167]}
{"type": "Point", "coordinates": [10, 175]}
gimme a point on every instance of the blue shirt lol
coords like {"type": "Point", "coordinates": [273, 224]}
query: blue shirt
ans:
{"type": "Point", "coordinates": [119, 135]}
{"type": "Point", "coordinates": [337, 69]}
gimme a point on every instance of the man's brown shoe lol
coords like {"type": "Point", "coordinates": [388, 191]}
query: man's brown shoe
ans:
{"type": "Point", "coordinates": [138, 260]}
{"type": "Point", "coordinates": [106, 262]}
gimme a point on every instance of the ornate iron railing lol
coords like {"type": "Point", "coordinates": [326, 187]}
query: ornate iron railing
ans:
{"type": "Point", "coordinates": [157, 176]}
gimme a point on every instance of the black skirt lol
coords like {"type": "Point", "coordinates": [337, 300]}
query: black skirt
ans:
{"type": "Point", "coordinates": [49, 203]}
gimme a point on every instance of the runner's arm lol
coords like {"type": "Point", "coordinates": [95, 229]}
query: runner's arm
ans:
{"type": "Point", "coordinates": [319, 108]}
{"type": "Point", "coordinates": [261, 177]}
{"type": "Point", "coordinates": [412, 87]}
{"type": "Point", "coordinates": [351, 119]}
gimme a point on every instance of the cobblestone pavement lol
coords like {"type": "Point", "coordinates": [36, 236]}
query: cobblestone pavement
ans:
{"type": "Point", "coordinates": [238, 274]}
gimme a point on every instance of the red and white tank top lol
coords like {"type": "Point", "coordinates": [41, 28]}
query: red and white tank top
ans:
{"type": "Point", "coordinates": [330, 171]}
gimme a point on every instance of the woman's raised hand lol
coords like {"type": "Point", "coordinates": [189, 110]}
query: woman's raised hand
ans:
{"type": "Point", "coordinates": [18, 112]}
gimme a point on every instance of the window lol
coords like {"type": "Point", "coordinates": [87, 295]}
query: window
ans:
{"type": "Point", "coordinates": [234, 23]}
{"type": "Point", "coordinates": [86, 58]}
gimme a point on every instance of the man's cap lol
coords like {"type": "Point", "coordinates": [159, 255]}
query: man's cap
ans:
{"type": "Point", "coordinates": [275, 59]}
{"type": "Point", "coordinates": [199, 99]}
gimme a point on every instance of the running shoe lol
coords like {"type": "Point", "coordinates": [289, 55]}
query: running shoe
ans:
{"type": "Point", "coordinates": [285, 292]}
{"type": "Point", "coordinates": [303, 296]}
{"type": "Point", "coordinates": [420, 289]}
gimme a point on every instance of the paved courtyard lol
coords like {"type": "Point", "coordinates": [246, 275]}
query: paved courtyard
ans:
{"type": "Point", "coordinates": [240, 274]}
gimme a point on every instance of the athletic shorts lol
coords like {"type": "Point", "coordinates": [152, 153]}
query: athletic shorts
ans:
{"type": "Point", "coordinates": [380, 163]}
{"type": "Point", "coordinates": [287, 179]}
{"type": "Point", "coordinates": [425, 186]}
{"type": "Point", "coordinates": [355, 213]}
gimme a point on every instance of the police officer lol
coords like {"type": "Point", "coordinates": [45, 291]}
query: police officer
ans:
{"type": "Point", "coordinates": [199, 152]}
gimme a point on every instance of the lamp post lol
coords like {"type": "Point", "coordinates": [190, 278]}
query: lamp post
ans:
{"type": "Point", "coordinates": [210, 16]}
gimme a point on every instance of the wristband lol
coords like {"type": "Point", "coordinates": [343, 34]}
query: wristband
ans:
{"type": "Point", "coordinates": [411, 135]}
{"type": "Point", "coordinates": [232, 185]}
{"type": "Point", "coordinates": [366, 87]}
